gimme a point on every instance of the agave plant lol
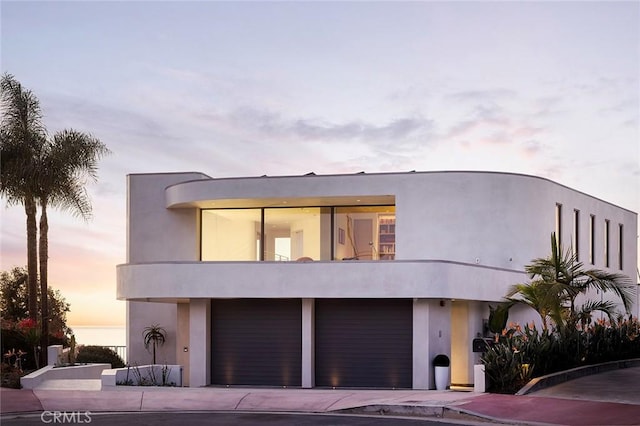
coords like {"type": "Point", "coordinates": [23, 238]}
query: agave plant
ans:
{"type": "Point", "coordinates": [154, 336]}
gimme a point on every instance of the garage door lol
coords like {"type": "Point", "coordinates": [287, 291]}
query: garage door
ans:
{"type": "Point", "coordinates": [364, 343]}
{"type": "Point", "coordinates": [256, 342]}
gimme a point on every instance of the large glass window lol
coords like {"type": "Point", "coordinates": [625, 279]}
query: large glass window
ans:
{"type": "Point", "coordinates": [231, 234]}
{"type": "Point", "coordinates": [365, 233]}
{"type": "Point", "coordinates": [300, 233]}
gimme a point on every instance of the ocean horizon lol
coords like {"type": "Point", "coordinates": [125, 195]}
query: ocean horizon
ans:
{"type": "Point", "coordinates": [101, 335]}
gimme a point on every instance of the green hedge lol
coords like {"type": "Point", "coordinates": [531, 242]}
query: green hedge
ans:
{"type": "Point", "coordinates": [99, 354]}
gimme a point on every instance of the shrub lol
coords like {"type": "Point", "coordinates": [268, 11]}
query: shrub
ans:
{"type": "Point", "coordinates": [13, 340]}
{"type": "Point", "coordinates": [99, 354]}
{"type": "Point", "coordinates": [508, 363]}
{"type": "Point", "coordinates": [10, 376]}
{"type": "Point", "coordinates": [520, 354]}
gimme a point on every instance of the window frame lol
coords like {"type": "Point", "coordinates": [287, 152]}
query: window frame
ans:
{"type": "Point", "coordinates": [332, 212]}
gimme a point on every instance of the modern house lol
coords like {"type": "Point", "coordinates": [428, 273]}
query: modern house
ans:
{"type": "Point", "coordinates": [343, 280]}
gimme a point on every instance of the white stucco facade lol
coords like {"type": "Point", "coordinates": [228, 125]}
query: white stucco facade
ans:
{"type": "Point", "coordinates": [461, 239]}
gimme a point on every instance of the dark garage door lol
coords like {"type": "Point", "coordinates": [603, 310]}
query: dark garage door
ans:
{"type": "Point", "coordinates": [364, 343]}
{"type": "Point", "coordinates": [256, 342]}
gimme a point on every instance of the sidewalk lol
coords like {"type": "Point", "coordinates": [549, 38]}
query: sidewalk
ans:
{"type": "Point", "coordinates": [611, 398]}
{"type": "Point", "coordinates": [223, 399]}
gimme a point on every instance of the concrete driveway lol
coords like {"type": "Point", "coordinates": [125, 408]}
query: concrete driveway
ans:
{"type": "Point", "coordinates": [621, 386]}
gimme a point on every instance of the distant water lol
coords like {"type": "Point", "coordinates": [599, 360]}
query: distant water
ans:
{"type": "Point", "coordinates": [100, 335]}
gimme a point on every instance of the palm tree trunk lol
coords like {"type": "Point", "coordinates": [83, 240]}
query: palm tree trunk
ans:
{"type": "Point", "coordinates": [44, 292]}
{"type": "Point", "coordinates": [32, 257]}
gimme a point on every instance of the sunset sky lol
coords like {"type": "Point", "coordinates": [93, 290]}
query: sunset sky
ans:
{"type": "Point", "coordinates": [276, 88]}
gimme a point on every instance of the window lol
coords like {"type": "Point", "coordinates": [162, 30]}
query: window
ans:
{"type": "Point", "coordinates": [576, 234]}
{"type": "Point", "coordinates": [298, 233]}
{"type": "Point", "coordinates": [606, 243]}
{"type": "Point", "coordinates": [559, 224]}
{"type": "Point", "coordinates": [592, 240]}
{"type": "Point", "coordinates": [295, 233]}
{"type": "Point", "coordinates": [230, 234]}
{"type": "Point", "coordinates": [365, 233]}
{"type": "Point", "coordinates": [620, 246]}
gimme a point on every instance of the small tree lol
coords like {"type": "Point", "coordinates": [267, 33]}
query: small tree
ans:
{"type": "Point", "coordinates": [559, 279]}
{"type": "Point", "coordinates": [14, 302]}
{"type": "Point", "coordinates": [154, 336]}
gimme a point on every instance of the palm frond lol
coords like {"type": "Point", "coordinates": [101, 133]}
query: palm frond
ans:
{"type": "Point", "coordinates": [22, 137]}
{"type": "Point", "coordinates": [69, 160]}
{"type": "Point", "coordinates": [621, 285]}
{"type": "Point", "coordinates": [589, 307]}
{"type": "Point", "coordinates": [21, 113]}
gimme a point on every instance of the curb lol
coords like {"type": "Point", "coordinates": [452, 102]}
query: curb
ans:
{"type": "Point", "coordinates": [398, 410]}
{"type": "Point", "coordinates": [437, 412]}
{"type": "Point", "coordinates": [553, 379]}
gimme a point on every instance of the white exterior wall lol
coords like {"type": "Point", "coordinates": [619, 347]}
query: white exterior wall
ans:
{"type": "Point", "coordinates": [156, 233]}
{"type": "Point", "coordinates": [431, 336]}
{"type": "Point", "coordinates": [141, 315]}
{"type": "Point", "coordinates": [350, 279]}
{"type": "Point", "coordinates": [200, 342]}
{"type": "Point", "coordinates": [459, 235]}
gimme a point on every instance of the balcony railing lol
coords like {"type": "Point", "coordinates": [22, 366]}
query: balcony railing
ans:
{"type": "Point", "coordinates": [120, 350]}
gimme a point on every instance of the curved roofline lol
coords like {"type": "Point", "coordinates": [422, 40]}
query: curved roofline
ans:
{"type": "Point", "coordinates": [171, 173]}
{"type": "Point", "coordinates": [362, 173]}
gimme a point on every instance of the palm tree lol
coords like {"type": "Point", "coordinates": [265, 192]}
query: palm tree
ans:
{"type": "Point", "coordinates": [543, 297]}
{"type": "Point", "coordinates": [66, 162]}
{"type": "Point", "coordinates": [154, 336]}
{"type": "Point", "coordinates": [560, 279]}
{"type": "Point", "coordinates": [49, 172]}
{"type": "Point", "coordinates": [22, 136]}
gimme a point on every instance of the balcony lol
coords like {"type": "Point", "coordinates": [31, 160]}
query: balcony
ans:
{"type": "Point", "coordinates": [174, 281]}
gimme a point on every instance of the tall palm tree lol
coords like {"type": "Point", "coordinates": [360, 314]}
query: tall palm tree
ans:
{"type": "Point", "coordinates": [49, 172]}
{"type": "Point", "coordinates": [22, 136]}
{"type": "Point", "coordinates": [66, 162]}
{"type": "Point", "coordinates": [560, 278]}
